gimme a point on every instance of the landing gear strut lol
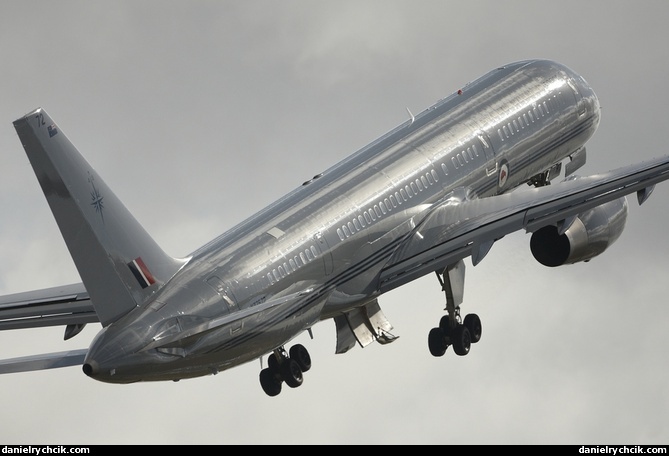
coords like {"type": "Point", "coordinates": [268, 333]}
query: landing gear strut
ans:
{"type": "Point", "coordinates": [452, 330]}
{"type": "Point", "coordinates": [285, 367]}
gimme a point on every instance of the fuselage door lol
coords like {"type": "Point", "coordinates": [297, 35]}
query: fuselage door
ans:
{"type": "Point", "coordinates": [491, 164]}
{"type": "Point", "coordinates": [324, 248]}
{"type": "Point", "coordinates": [227, 299]}
{"type": "Point", "coordinates": [223, 291]}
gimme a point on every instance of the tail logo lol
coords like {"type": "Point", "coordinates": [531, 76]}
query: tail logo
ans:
{"type": "Point", "coordinates": [141, 272]}
{"type": "Point", "coordinates": [96, 198]}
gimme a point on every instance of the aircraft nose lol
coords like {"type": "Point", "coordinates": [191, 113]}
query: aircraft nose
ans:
{"type": "Point", "coordinates": [588, 96]}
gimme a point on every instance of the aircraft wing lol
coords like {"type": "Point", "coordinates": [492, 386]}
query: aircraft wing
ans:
{"type": "Point", "coordinates": [460, 227]}
{"type": "Point", "coordinates": [63, 305]}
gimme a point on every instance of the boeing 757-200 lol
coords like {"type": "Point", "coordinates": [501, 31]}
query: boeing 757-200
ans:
{"type": "Point", "coordinates": [419, 200]}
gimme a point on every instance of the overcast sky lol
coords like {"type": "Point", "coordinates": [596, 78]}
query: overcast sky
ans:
{"type": "Point", "coordinates": [200, 113]}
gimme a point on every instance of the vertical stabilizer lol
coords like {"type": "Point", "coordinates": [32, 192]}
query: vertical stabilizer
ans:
{"type": "Point", "coordinates": [119, 263]}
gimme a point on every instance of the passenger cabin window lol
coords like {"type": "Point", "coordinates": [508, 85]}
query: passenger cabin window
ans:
{"type": "Point", "coordinates": [368, 218]}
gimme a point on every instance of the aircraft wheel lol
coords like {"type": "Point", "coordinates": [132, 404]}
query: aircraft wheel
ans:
{"type": "Point", "coordinates": [445, 325]}
{"type": "Point", "coordinates": [462, 340]}
{"type": "Point", "coordinates": [291, 373]}
{"type": "Point", "coordinates": [273, 364]}
{"type": "Point", "coordinates": [300, 354]}
{"type": "Point", "coordinates": [436, 342]}
{"type": "Point", "coordinates": [270, 385]}
{"type": "Point", "coordinates": [473, 324]}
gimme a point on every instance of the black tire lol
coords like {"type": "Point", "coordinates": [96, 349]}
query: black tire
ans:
{"type": "Point", "coordinates": [436, 342]}
{"type": "Point", "coordinates": [445, 326]}
{"type": "Point", "coordinates": [462, 340]}
{"type": "Point", "coordinates": [291, 373]}
{"type": "Point", "coordinates": [473, 324]}
{"type": "Point", "coordinates": [300, 354]}
{"type": "Point", "coordinates": [273, 364]}
{"type": "Point", "coordinates": [270, 385]}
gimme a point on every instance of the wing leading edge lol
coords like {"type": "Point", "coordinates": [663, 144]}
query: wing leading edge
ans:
{"type": "Point", "coordinates": [459, 227]}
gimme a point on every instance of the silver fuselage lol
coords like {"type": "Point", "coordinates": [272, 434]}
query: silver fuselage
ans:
{"type": "Point", "coordinates": [329, 239]}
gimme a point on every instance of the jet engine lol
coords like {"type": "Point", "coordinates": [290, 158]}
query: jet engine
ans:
{"type": "Point", "coordinates": [587, 236]}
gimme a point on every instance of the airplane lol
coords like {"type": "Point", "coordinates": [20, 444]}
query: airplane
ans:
{"type": "Point", "coordinates": [443, 186]}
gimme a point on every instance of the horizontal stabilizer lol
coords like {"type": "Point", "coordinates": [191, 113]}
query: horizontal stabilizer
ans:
{"type": "Point", "coordinates": [45, 361]}
{"type": "Point", "coordinates": [63, 305]}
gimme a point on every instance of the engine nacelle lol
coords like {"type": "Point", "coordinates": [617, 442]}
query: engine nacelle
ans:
{"type": "Point", "coordinates": [589, 235]}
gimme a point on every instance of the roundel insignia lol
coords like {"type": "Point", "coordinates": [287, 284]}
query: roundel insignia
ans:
{"type": "Point", "coordinates": [503, 175]}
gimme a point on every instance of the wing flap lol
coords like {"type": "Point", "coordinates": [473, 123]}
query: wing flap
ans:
{"type": "Point", "coordinates": [457, 229]}
{"type": "Point", "coordinates": [62, 305]}
{"type": "Point", "coordinates": [576, 196]}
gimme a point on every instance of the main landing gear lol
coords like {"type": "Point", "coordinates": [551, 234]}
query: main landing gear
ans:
{"type": "Point", "coordinates": [285, 367]}
{"type": "Point", "coordinates": [452, 329]}
{"type": "Point", "coordinates": [453, 332]}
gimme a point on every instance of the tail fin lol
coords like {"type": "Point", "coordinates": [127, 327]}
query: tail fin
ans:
{"type": "Point", "coordinates": [119, 263]}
